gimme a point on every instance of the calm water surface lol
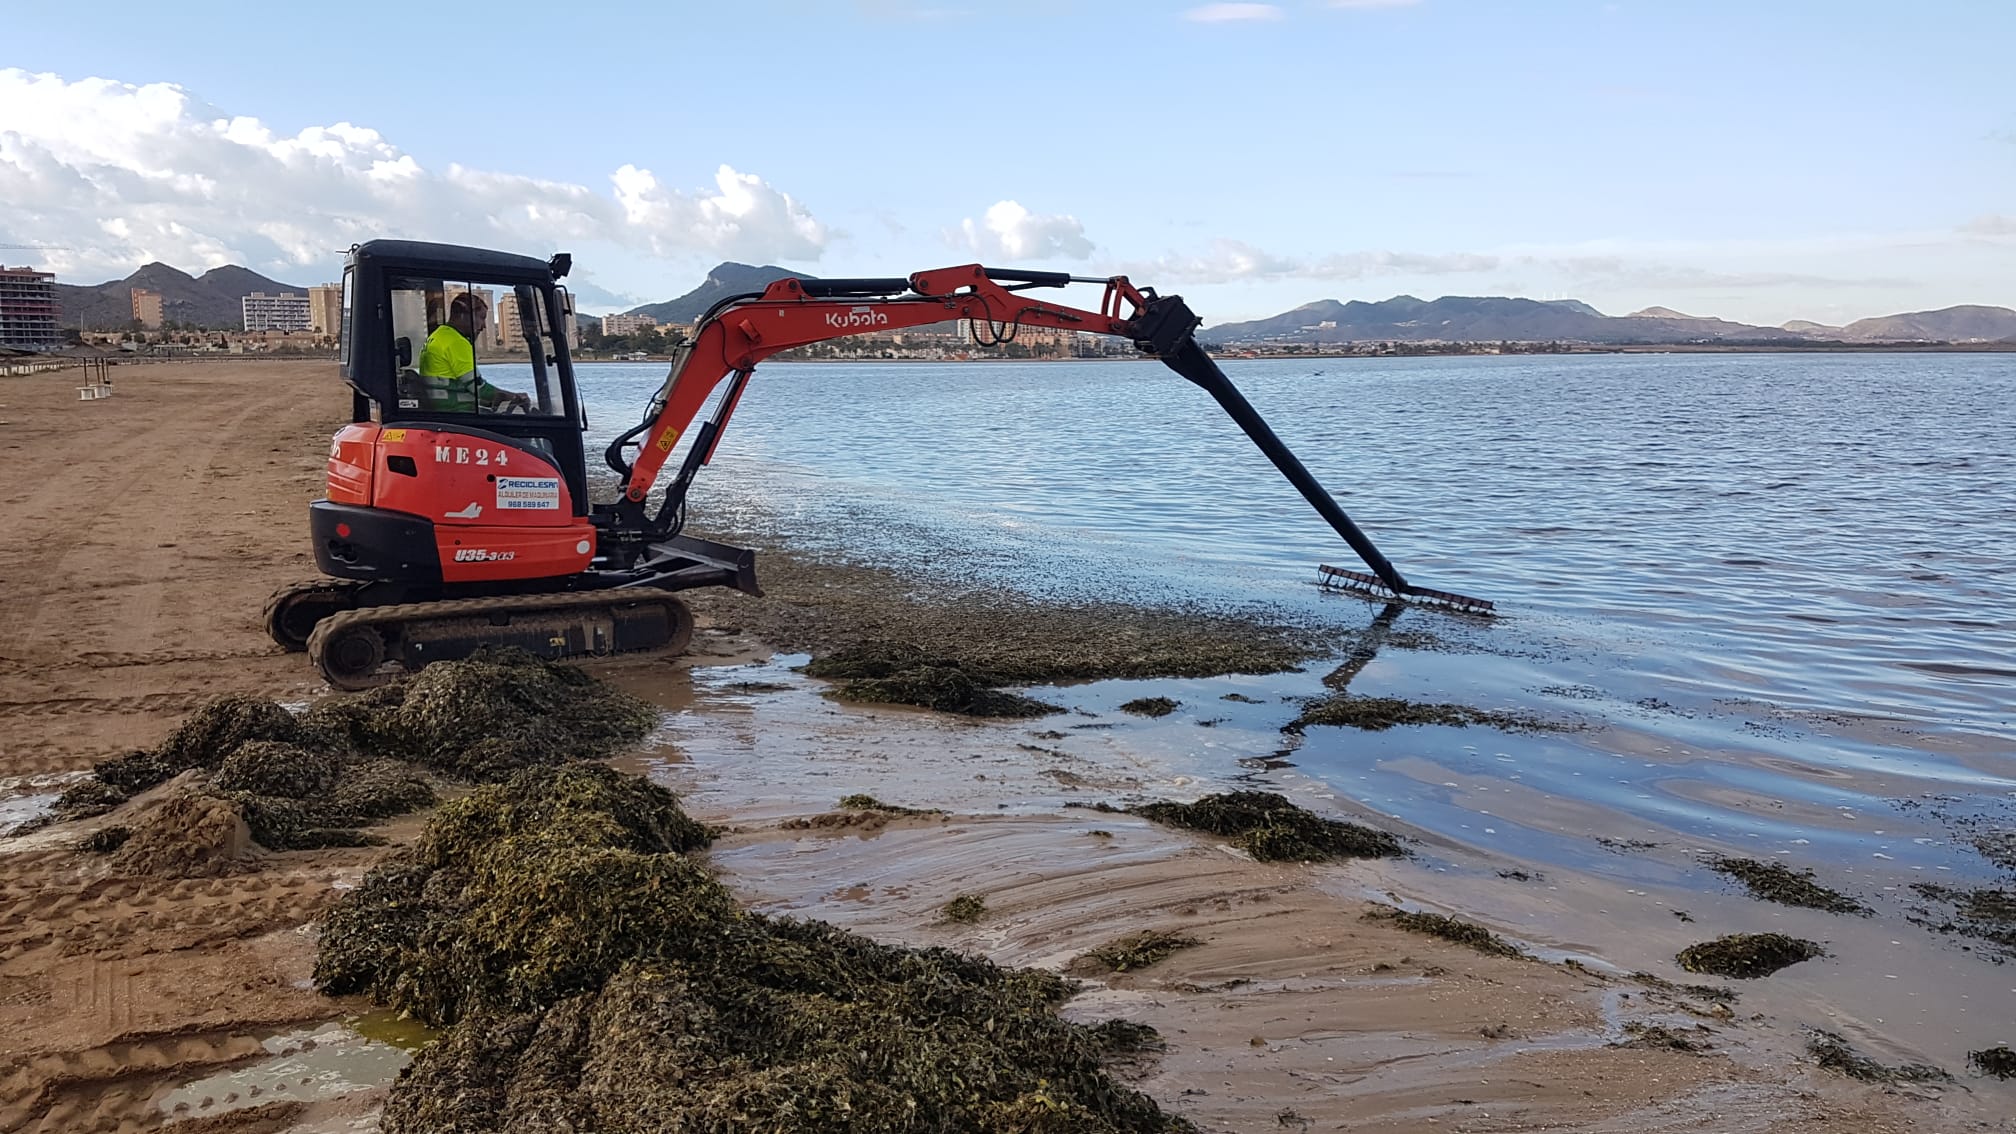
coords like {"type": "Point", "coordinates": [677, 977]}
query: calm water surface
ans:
{"type": "Point", "coordinates": [1779, 586]}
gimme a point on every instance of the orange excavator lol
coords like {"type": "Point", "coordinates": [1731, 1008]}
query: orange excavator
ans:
{"type": "Point", "coordinates": [457, 512]}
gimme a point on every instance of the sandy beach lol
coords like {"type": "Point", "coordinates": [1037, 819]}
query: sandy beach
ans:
{"type": "Point", "coordinates": [144, 532]}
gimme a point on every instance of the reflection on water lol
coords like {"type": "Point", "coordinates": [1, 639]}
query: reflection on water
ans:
{"type": "Point", "coordinates": [1777, 585]}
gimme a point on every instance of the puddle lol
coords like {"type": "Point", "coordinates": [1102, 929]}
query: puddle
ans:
{"type": "Point", "coordinates": [306, 1064]}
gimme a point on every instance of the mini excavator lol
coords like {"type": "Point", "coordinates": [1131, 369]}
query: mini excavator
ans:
{"type": "Point", "coordinates": [449, 528]}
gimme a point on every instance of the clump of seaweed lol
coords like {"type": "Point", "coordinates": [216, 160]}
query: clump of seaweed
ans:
{"type": "Point", "coordinates": [1998, 1061]}
{"type": "Point", "coordinates": [1699, 991]}
{"type": "Point", "coordinates": [1747, 956]}
{"type": "Point", "coordinates": [275, 767]}
{"type": "Point", "coordinates": [1270, 828]}
{"type": "Point", "coordinates": [1642, 1036]}
{"type": "Point", "coordinates": [1776, 882]}
{"type": "Point", "coordinates": [1131, 952]}
{"type": "Point", "coordinates": [592, 976]}
{"type": "Point", "coordinates": [1376, 714]}
{"type": "Point", "coordinates": [105, 840]}
{"type": "Point", "coordinates": [964, 909]}
{"type": "Point", "coordinates": [946, 689]}
{"type": "Point", "coordinates": [1150, 706]}
{"type": "Point", "coordinates": [1447, 928]}
{"type": "Point", "coordinates": [1834, 1053]}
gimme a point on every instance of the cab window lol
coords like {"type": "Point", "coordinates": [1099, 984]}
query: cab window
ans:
{"type": "Point", "coordinates": [461, 346]}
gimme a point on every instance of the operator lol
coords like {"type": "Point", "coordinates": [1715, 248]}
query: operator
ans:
{"type": "Point", "coordinates": [448, 375]}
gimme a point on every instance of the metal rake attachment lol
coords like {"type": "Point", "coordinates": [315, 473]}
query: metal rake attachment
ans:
{"type": "Point", "coordinates": [1372, 586]}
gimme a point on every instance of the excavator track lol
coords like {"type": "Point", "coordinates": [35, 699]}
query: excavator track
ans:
{"type": "Point", "coordinates": [351, 647]}
{"type": "Point", "coordinates": [293, 611]}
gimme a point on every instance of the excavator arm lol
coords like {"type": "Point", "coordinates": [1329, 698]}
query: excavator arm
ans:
{"type": "Point", "coordinates": [740, 332]}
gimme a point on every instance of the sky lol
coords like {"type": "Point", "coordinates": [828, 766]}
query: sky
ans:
{"type": "Point", "coordinates": [1761, 160]}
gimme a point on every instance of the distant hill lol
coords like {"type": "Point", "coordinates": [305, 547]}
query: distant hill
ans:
{"type": "Point", "coordinates": [208, 300]}
{"type": "Point", "coordinates": [1460, 318]}
{"type": "Point", "coordinates": [1966, 324]}
{"type": "Point", "coordinates": [728, 278]}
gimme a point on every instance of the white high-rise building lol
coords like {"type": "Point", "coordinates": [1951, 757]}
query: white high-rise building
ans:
{"type": "Point", "coordinates": [284, 312]}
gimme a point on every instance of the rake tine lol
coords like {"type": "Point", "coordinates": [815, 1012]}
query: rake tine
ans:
{"type": "Point", "coordinates": [1372, 586]}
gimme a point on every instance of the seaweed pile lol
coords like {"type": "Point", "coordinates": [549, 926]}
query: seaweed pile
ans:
{"type": "Point", "coordinates": [311, 781]}
{"type": "Point", "coordinates": [1776, 882]}
{"type": "Point", "coordinates": [1747, 956]}
{"type": "Point", "coordinates": [898, 673]}
{"type": "Point", "coordinates": [591, 975]}
{"type": "Point", "coordinates": [1271, 829]}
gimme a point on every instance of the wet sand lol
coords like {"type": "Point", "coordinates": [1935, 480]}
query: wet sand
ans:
{"type": "Point", "coordinates": [144, 532]}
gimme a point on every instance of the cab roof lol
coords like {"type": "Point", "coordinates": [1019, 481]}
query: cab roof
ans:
{"type": "Point", "coordinates": [449, 261]}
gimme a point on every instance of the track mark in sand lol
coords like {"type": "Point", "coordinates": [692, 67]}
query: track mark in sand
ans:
{"type": "Point", "coordinates": [111, 1087]}
{"type": "Point", "coordinates": [74, 706]}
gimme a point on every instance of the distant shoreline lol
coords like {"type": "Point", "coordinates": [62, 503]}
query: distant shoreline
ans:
{"type": "Point", "coordinates": [1578, 348]}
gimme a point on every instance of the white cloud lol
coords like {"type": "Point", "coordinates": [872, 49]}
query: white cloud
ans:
{"type": "Point", "coordinates": [124, 174]}
{"type": "Point", "coordinates": [1992, 224]}
{"type": "Point", "coordinates": [1227, 13]}
{"type": "Point", "coordinates": [1013, 232]}
{"type": "Point", "coordinates": [1228, 261]}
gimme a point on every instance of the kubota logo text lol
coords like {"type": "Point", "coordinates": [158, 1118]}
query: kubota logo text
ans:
{"type": "Point", "coordinates": [859, 317]}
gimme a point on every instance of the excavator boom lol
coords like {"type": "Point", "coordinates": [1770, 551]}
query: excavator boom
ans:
{"type": "Point", "coordinates": [740, 332]}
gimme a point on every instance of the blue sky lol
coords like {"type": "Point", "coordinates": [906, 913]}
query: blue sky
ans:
{"type": "Point", "coordinates": [1759, 161]}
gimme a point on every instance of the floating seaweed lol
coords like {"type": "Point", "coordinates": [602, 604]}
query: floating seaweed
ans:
{"type": "Point", "coordinates": [1448, 929]}
{"type": "Point", "coordinates": [592, 976]}
{"type": "Point", "coordinates": [861, 801]}
{"type": "Point", "coordinates": [1150, 706]}
{"type": "Point", "coordinates": [1270, 828]}
{"type": "Point", "coordinates": [1776, 882]}
{"type": "Point", "coordinates": [1984, 914]}
{"type": "Point", "coordinates": [1133, 951]}
{"type": "Point", "coordinates": [1748, 956]}
{"type": "Point", "coordinates": [1998, 1061]}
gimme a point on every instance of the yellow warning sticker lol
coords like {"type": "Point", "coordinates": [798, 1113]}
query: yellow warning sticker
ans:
{"type": "Point", "coordinates": [392, 435]}
{"type": "Point", "coordinates": [668, 439]}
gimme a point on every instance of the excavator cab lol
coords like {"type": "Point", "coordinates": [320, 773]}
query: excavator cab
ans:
{"type": "Point", "coordinates": [411, 308]}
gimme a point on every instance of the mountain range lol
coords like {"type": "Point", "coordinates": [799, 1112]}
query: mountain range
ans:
{"type": "Point", "coordinates": [208, 300]}
{"type": "Point", "coordinates": [1458, 318]}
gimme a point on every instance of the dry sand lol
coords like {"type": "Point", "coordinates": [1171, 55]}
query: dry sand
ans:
{"type": "Point", "coordinates": [142, 535]}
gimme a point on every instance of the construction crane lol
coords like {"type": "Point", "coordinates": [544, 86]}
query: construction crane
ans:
{"type": "Point", "coordinates": [459, 518]}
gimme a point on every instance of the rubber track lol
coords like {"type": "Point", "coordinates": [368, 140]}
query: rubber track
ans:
{"type": "Point", "coordinates": [321, 584]}
{"type": "Point", "coordinates": [413, 613]}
